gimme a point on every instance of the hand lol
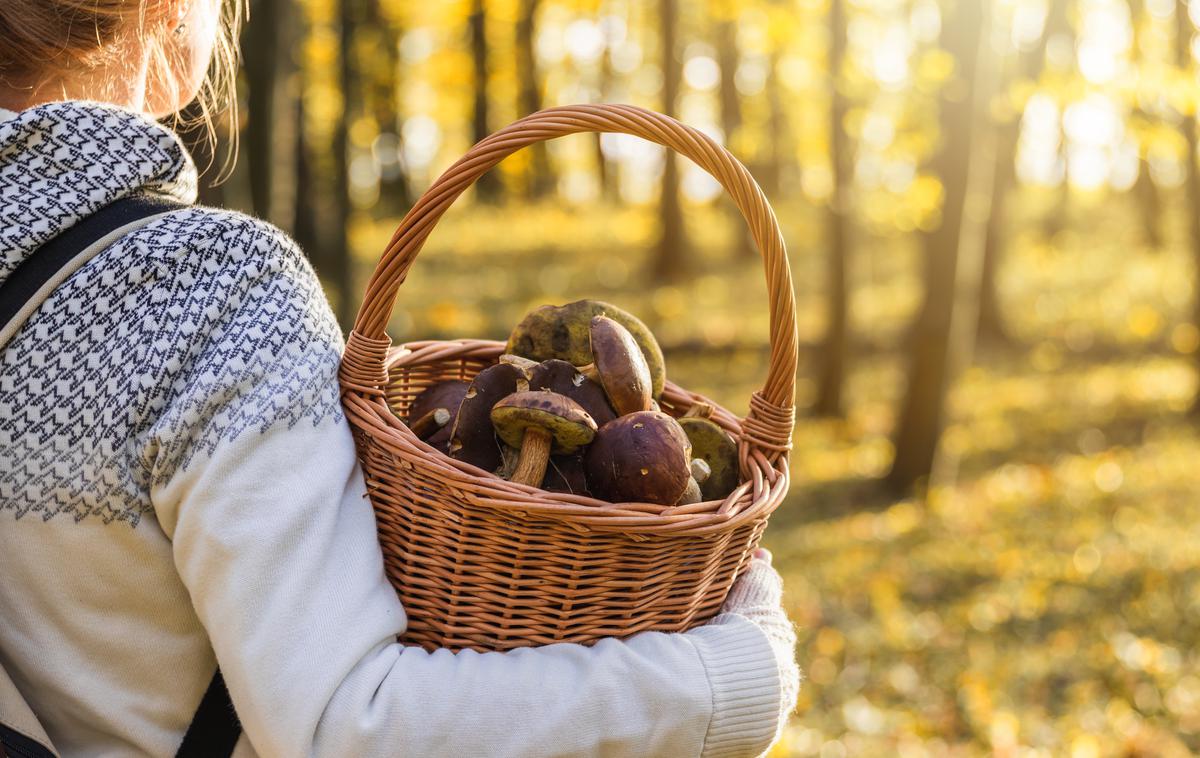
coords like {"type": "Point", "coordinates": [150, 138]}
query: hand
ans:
{"type": "Point", "coordinates": [758, 596]}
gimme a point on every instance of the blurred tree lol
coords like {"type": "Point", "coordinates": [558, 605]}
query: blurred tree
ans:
{"type": "Point", "coordinates": [540, 181]}
{"type": "Point", "coordinates": [777, 128]}
{"type": "Point", "coordinates": [1184, 32]}
{"type": "Point", "coordinates": [834, 350]}
{"type": "Point", "coordinates": [991, 327]}
{"type": "Point", "coordinates": [488, 188]}
{"type": "Point", "coordinates": [383, 75]}
{"type": "Point", "coordinates": [606, 170]}
{"type": "Point", "coordinates": [922, 410]}
{"type": "Point", "coordinates": [339, 271]}
{"type": "Point", "coordinates": [1145, 191]}
{"type": "Point", "coordinates": [1057, 217]}
{"type": "Point", "coordinates": [725, 33]}
{"type": "Point", "coordinates": [306, 231]}
{"type": "Point", "coordinates": [725, 14]}
{"type": "Point", "coordinates": [267, 41]}
{"type": "Point", "coordinates": [670, 262]}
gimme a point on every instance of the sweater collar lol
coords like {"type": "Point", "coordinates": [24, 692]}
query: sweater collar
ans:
{"type": "Point", "coordinates": [61, 162]}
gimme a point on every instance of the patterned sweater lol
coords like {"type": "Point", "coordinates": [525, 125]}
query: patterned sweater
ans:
{"type": "Point", "coordinates": [178, 486]}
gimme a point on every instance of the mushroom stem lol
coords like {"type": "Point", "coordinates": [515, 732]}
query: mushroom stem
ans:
{"type": "Point", "coordinates": [701, 471]}
{"type": "Point", "coordinates": [425, 426]}
{"type": "Point", "coordinates": [691, 494]}
{"type": "Point", "coordinates": [524, 364]}
{"type": "Point", "coordinates": [700, 410]}
{"type": "Point", "coordinates": [535, 454]}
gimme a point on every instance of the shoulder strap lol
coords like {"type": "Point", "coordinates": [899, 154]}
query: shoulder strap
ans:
{"type": "Point", "coordinates": [215, 728]}
{"type": "Point", "coordinates": [38, 275]}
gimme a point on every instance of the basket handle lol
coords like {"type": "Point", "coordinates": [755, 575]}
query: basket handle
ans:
{"type": "Point", "coordinates": [772, 412]}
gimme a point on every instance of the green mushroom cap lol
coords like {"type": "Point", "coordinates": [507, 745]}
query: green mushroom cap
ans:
{"type": "Point", "coordinates": [564, 332]}
{"type": "Point", "coordinates": [569, 425]}
{"type": "Point", "coordinates": [714, 446]}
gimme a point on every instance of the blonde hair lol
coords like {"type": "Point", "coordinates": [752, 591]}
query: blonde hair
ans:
{"type": "Point", "coordinates": [43, 39]}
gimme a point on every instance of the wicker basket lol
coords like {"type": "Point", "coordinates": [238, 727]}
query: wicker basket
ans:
{"type": "Point", "coordinates": [486, 564]}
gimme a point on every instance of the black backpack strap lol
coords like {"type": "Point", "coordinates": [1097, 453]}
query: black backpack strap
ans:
{"type": "Point", "coordinates": [215, 729]}
{"type": "Point", "coordinates": [28, 286]}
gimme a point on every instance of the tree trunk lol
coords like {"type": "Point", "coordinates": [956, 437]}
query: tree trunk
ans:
{"type": "Point", "coordinates": [671, 261]}
{"type": "Point", "coordinates": [779, 162]}
{"type": "Point", "coordinates": [1055, 220]}
{"type": "Point", "coordinates": [606, 171]}
{"type": "Point", "coordinates": [1184, 31]}
{"type": "Point", "coordinates": [488, 187]}
{"type": "Point", "coordinates": [728, 57]}
{"type": "Point", "coordinates": [921, 416]}
{"type": "Point", "coordinates": [834, 350]}
{"type": "Point", "coordinates": [306, 213]}
{"type": "Point", "coordinates": [540, 181]}
{"type": "Point", "coordinates": [341, 268]}
{"type": "Point", "coordinates": [268, 42]}
{"type": "Point", "coordinates": [727, 60]}
{"type": "Point", "coordinates": [991, 327]}
{"type": "Point", "coordinates": [1148, 200]}
{"type": "Point", "coordinates": [1144, 189]}
{"type": "Point", "coordinates": [395, 194]}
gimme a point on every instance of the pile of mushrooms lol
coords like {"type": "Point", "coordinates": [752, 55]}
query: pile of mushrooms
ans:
{"type": "Point", "coordinates": [572, 407]}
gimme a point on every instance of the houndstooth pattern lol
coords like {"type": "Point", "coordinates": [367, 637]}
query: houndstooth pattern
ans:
{"type": "Point", "coordinates": [186, 334]}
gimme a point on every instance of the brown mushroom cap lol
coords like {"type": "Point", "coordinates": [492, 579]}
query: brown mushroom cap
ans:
{"type": "Point", "coordinates": [541, 423]}
{"type": "Point", "coordinates": [566, 474]}
{"type": "Point", "coordinates": [714, 446]}
{"type": "Point", "coordinates": [473, 439]}
{"type": "Point", "coordinates": [569, 425]}
{"type": "Point", "coordinates": [642, 457]}
{"type": "Point", "coordinates": [562, 377]}
{"type": "Point", "coordinates": [621, 366]}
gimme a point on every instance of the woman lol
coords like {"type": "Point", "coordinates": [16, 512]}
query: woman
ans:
{"type": "Point", "coordinates": [178, 486]}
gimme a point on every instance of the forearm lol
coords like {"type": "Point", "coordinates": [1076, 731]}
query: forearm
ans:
{"type": "Point", "coordinates": [649, 696]}
{"type": "Point", "coordinates": [289, 583]}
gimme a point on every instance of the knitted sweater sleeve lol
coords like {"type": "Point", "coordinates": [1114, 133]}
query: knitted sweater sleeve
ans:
{"type": "Point", "coordinates": [257, 485]}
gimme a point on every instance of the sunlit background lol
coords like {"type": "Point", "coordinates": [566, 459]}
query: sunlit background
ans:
{"type": "Point", "coordinates": [992, 546]}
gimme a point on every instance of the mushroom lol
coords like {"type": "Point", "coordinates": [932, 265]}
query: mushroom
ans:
{"type": "Point", "coordinates": [564, 332]}
{"type": "Point", "coordinates": [642, 457]}
{"type": "Point", "coordinates": [711, 444]}
{"type": "Point", "coordinates": [449, 395]}
{"type": "Point", "coordinates": [620, 367]}
{"type": "Point", "coordinates": [566, 474]}
{"type": "Point", "coordinates": [430, 423]}
{"type": "Point", "coordinates": [692, 494]}
{"type": "Point", "coordinates": [561, 377]}
{"type": "Point", "coordinates": [473, 439]}
{"type": "Point", "coordinates": [540, 423]}
{"type": "Point", "coordinates": [516, 360]}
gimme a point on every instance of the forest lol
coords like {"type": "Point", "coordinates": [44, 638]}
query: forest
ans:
{"type": "Point", "coordinates": [992, 211]}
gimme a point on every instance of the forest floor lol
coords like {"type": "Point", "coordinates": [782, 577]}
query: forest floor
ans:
{"type": "Point", "coordinates": [1045, 599]}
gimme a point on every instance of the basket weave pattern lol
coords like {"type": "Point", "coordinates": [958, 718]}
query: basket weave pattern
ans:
{"type": "Point", "coordinates": [485, 564]}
